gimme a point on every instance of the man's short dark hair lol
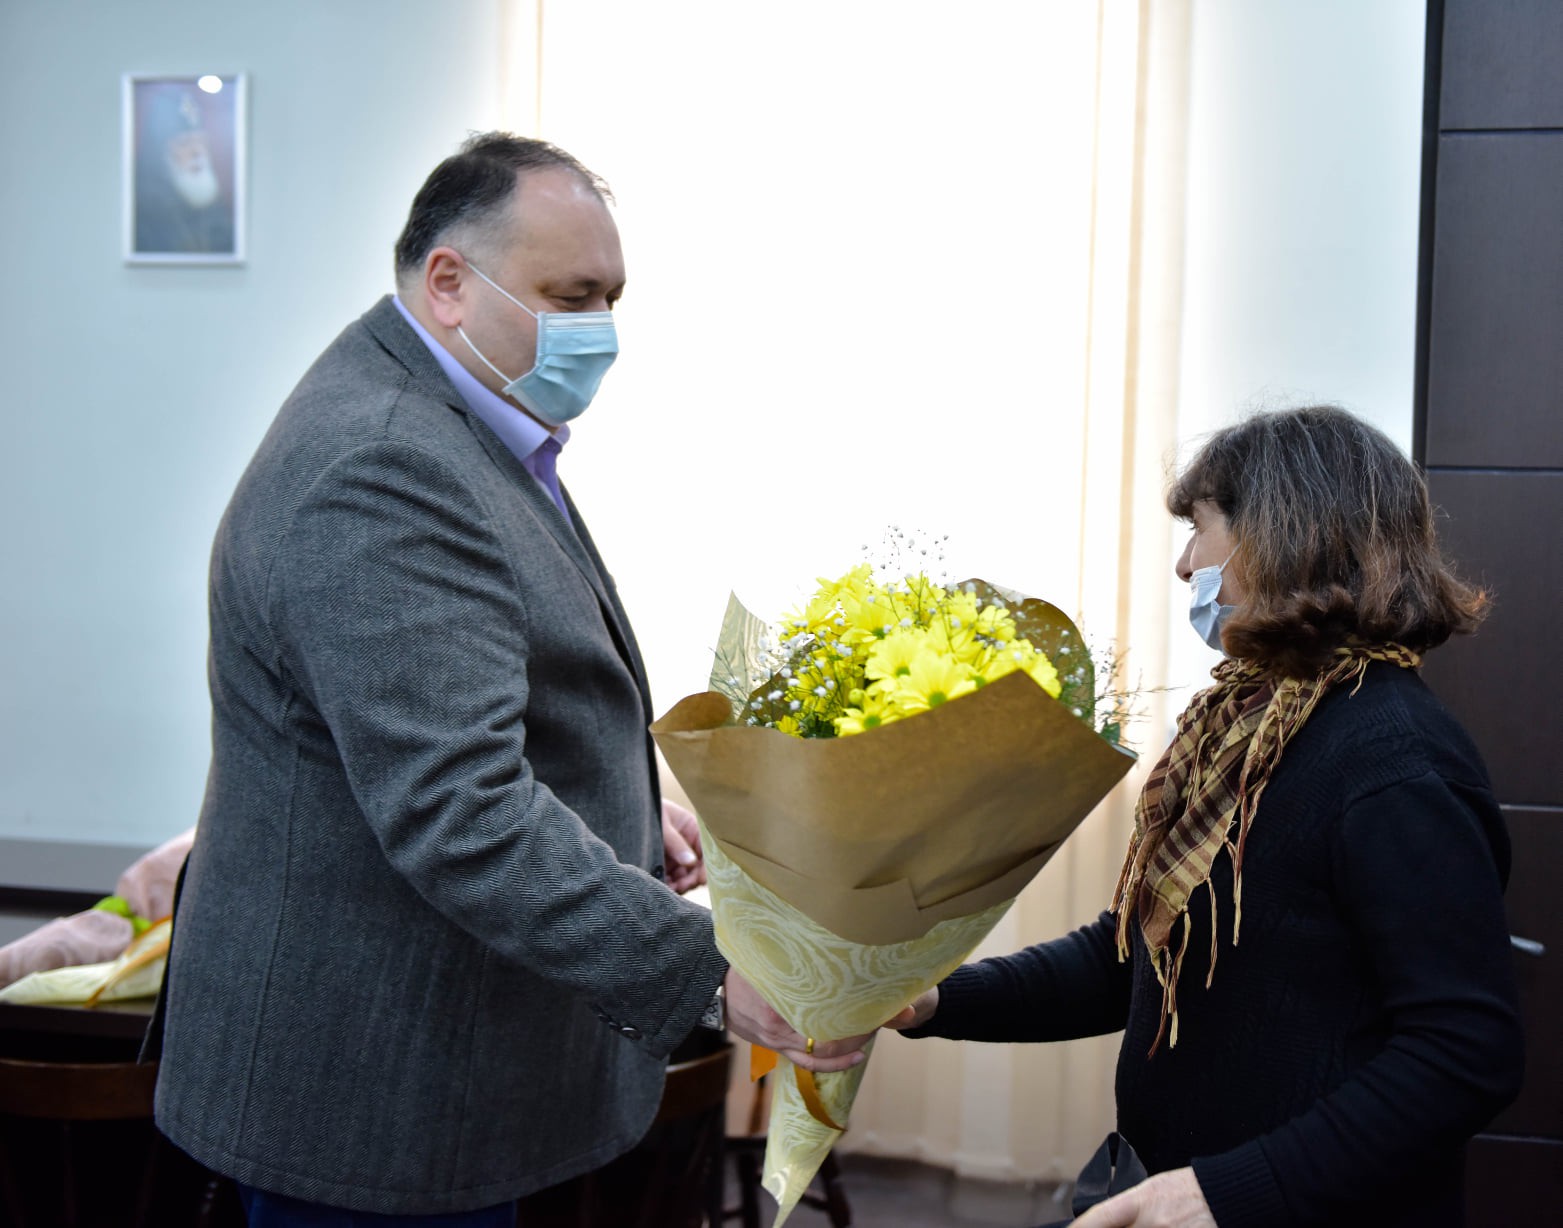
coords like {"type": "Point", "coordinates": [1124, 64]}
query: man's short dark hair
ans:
{"type": "Point", "coordinates": [467, 195]}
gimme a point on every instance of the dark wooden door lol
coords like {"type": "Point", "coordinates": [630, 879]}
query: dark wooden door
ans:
{"type": "Point", "coordinates": [1490, 433]}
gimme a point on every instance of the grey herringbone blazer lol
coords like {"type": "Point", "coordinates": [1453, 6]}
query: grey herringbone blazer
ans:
{"type": "Point", "coordinates": [422, 961]}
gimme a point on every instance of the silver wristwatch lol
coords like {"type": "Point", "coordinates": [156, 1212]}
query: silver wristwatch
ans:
{"type": "Point", "coordinates": [715, 1014]}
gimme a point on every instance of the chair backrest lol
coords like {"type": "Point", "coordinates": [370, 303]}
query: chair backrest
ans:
{"type": "Point", "coordinates": [77, 1091]}
{"type": "Point", "coordinates": [695, 1086]}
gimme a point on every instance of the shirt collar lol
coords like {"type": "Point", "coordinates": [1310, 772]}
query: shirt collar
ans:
{"type": "Point", "coordinates": [518, 431]}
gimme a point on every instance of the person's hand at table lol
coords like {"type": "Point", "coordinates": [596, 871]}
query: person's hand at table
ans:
{"type": "Point", "coordinates": [1171, 1199]}
{"type": "Point", "coordinates": [90, 937]}
{"type": "Point", "coordinates": [683, 860]}
{"type": "Point", "coordinates": [148, 885]}
{"type": "Point", "coordinates": [751, 1017]}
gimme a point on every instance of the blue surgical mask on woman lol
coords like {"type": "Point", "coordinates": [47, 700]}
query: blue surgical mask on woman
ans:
{"type": "Point", "coordinates": [1207, 614]}
{"type": "Point", "coordinates": [574, 351]}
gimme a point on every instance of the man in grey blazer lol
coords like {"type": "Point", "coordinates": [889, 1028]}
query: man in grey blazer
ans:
{"type": "Point", "coordinates": [424, 960]}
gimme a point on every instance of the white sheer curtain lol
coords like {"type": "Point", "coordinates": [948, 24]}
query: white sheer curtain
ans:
{"type": "Point", "coordinates": [1036, 1112]}
{"type": "Point", "coordinates": [891, 262]}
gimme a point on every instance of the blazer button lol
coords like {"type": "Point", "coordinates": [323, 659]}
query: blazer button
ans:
{"type": "Point", "coordinates": [658, 872]}
{"type": "Point", "coordinates": [629, 1032]}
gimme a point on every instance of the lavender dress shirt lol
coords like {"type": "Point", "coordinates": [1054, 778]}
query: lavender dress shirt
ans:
{"type": "Point", "coordinates": [529, 441]}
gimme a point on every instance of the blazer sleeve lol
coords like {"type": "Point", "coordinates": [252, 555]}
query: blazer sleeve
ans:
{"type": "Point", "coordinates": [398, 613]}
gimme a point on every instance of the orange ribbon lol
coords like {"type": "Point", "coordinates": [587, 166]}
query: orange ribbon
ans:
{"type": "Point", "coordinates": [762, 1061]}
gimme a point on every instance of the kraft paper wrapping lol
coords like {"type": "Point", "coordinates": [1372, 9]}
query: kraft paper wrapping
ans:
{"type": "Point", "coordinates": [850, 874]}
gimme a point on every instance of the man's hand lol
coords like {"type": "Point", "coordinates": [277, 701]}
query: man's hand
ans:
{"type": "Point", "coordinates": [752, 1017]}
{"type": "Point", "coordinates": [682, 857]}
{"type": "Point", "coordinates": [1167, 1200]}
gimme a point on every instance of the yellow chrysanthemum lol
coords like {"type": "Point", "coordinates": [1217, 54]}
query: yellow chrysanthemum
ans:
{"type": "Point", "coordinates": [892, 657]}
{"type": "Point", "coordinates": [932, 679]}
{"type": "Point", "coordinates": [955, 637]}
{"type": "Point", "coordinates": [961, 607]}
{"type": "Point", "coordinates": [1037, 665]}
{"type": "Point", "coordinates": [994, 622]}
{"type": "Point", "coordinates": [823, 608]}
{"type": "Point", "coordinates": [992, 663]}
{"type": "Point", "coordinates": [861, 719]}
{"type": "Point", "coordinates": [1043, 673]}
{"type": "Point", "coordinates": [922, 593]}
{"type": "Point", "coordinates": [995, 663]}
{"type": "Point", "coordinates": [868, 619]}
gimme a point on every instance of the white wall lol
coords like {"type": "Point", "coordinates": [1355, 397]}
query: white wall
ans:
{"type": "Point", "coordinates": [133, 396]}
{"type": "Point", "coordinates": [859, 270]}
{"type": "Point", "coordinates": [1304, 197]}
{"type": "Point", "coordinates": [1304, 187]}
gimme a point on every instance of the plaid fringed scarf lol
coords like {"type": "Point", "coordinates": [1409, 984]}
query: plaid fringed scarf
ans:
{"type": "Point", "coordinates": [1204, 791]}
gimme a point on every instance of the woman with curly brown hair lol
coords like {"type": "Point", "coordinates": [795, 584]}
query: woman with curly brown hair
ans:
{"type": "Point", "coordinates": [1307, 950]}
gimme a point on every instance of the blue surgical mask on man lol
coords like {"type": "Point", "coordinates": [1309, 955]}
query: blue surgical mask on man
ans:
{"type": "Point", "coordinates": [574, 352]}
{"type": "Point", "coordinates": [1206, 613]}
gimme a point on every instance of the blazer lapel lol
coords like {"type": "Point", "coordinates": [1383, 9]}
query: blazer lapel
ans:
{"type": "Point", "coordinates": [575, 541]}
{"type": "Point", "coordinates": [392, 332]}
{"type": "Point", "coordinates": [618, 621]}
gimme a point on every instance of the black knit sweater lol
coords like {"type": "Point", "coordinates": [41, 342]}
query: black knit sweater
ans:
{"type": "Point", "coordinates": [1366, 1023]}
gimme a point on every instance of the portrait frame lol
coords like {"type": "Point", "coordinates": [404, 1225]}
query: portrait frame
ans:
{"type": "Point", "coordinates": [184, 168]}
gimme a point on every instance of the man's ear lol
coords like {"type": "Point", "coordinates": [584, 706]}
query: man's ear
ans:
{"type": "Point", "coordinates": [444, 285]}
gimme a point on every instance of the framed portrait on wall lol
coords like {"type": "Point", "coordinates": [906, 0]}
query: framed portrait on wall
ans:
{"type": "Point", "coordinates": [184, 169]}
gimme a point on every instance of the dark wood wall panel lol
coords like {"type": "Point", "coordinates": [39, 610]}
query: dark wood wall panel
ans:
{"type": "Point", "coordinates": [1534, 916]}
{"type": "Point", "coordinates": [1495, 346]}
{"type": "Point", "coordinates": [1504, 531]}
{"type": "Point", "coordinates": [1501, 64]}
{"type": "Point", "coordinates": [1513, 1183]}
{"type": "Point", "coordinates": [1490, 432]}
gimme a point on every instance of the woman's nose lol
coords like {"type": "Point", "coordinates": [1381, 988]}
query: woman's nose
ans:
{"type": "Point", "coordinates": [1184, 566]}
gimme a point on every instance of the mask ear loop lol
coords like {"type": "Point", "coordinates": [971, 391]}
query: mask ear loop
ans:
{"type": "Point", "coordinates": [536, 315]}
{"type": "Point", "coordinates": [462, 333]}
{"type": "Point", "coordinates": [1219, 568]}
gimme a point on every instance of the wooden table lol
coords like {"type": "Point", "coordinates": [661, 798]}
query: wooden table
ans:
{"type": "Point", "coordinates": [671, 1180]}
{"type": "Point", "coordinates": [114, 1021]}
{"type": "Point", "coordinates": [107, 1165]}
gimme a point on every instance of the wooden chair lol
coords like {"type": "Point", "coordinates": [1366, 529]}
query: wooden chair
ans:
{"type": "Point", "coordinates": [64, 1094]}
{"type": "Point", "coordinates": [78, 1150]}
{"type": "Point", "coordinates": [696, 1090]}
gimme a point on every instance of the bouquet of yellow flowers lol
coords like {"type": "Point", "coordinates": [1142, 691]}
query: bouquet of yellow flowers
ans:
{"type": "Point", "coordinates": [856, 857]}
{"type": "Point", "coordinates": [863, 654]}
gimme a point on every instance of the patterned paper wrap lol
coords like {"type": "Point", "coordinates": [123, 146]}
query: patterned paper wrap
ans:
{"type": "Point", "coordinates": [138, 973]}
{"type": "Point", "coordinates": [824, 986]}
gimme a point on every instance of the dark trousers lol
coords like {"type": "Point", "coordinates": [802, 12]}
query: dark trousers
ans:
{"type": "Point", "coordinates": [630, 1192]}
{"type": "Point", "coordinates": [263, 1210]}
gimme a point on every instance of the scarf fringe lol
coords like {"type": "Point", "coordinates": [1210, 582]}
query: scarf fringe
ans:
{"type": "Point", "coordinates": [1169, 990]}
